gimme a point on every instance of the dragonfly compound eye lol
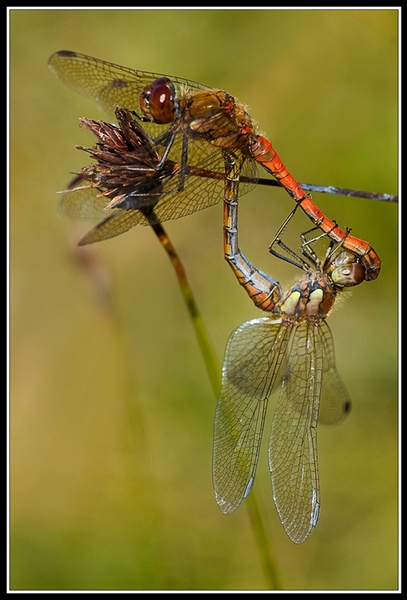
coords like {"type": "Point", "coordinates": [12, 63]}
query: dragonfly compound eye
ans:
{"type": "Point", "coordinates": [346, 271]}
{"type": "Point", "coordinates": [348, 275]}
{"type": "Point", "coordinates": [157, 101]}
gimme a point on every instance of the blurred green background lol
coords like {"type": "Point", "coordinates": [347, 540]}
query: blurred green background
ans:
{"type": "Point", "coordinates": [111, 417]}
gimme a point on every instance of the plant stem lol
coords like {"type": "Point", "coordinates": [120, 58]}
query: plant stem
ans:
{"type": "Point", "coordinates": [214, 372]}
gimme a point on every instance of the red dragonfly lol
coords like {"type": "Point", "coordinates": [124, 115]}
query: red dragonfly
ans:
{"type": "Point", "coordinates": [312, 391]}
{"type": "Point", "coordinates": [198, 126]}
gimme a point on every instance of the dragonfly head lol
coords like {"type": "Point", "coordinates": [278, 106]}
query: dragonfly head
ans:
{"type": "Point", "coordinates": [345, 270]}
{"type": "Point", "coordinates": [158, 101]}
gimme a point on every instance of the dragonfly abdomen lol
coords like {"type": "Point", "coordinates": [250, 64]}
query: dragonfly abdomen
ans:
{"type": "Point", "coordinates": [264, 291]}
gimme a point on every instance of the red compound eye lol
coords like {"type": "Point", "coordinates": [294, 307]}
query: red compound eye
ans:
{"type": "Point", "coordinates": [157, 101]}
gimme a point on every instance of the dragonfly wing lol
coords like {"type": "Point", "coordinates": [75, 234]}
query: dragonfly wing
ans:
{"type": "Point", "coordinates": [110, 85]}
{"type": "Point", "coordinates": [83, 202]}
{"type": "Point", "coordinates": [196, 191]}
{"type": "Point", "coordinates": [253, 355]}
{"type": "Point", "coordinates": [335, 400]}
{"type": "Point", "coordinates": [172, 200]}
{"type": "Point", "coordinates": [114, 225]}
{"type": "Point", "coordinates": [293, 459]}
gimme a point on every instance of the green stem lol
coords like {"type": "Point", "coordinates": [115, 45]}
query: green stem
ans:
{"type": "Point", "coordinates": [263, 542]}
{"type": "Point", "coordinates": [214, 372]}
{"type": "Point", "coordinates": [205, 345]}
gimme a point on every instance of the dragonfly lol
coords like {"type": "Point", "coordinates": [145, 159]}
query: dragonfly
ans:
{"type": "Point", "coordinates": [196, 126]}
{"type": "Point", "coordinates": [130, 177]}
{"type": "Point", "coordinates": [295, 339]}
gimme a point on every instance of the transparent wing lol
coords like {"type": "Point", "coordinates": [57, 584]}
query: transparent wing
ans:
{"type": "Point", "coordinates": [114, 225]}
{"type": "Point", "coordinates": [293, 459]}
{"type": "Point", "coordinates": [83, 202]}
{"type": "Point", "coordinates": [335, 400]}
{"type": "Point", "coordinates": [110, 85]}
{"type": "Point", "coordinates": [88, 203]}
{"type": "Point", "coordinates": [171, 197]}
{"type": "Point", "coordinates": [119, 221]}
{"type": "Point", "coordinates": [253, 356]}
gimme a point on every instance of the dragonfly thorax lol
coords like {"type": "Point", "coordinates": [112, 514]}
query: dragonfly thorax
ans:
{"type": "Point", "coordinates": [310, 297]}
{"type": "Point", "coordinates": [217, 117]}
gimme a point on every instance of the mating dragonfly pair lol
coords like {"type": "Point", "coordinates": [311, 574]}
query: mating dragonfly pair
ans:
{"type": "Point", "coordinates": [192, 140]}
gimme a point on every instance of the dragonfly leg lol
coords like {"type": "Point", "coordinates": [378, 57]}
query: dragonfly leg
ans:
{"type": "Point", "coordinates": [291, 257]}
{"type": "Point", "coordinates": [306, 244]}
{"type": "Point", "coordinates": [184, 161]}
{"type": "Point", "coordinates": [166, 140]}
